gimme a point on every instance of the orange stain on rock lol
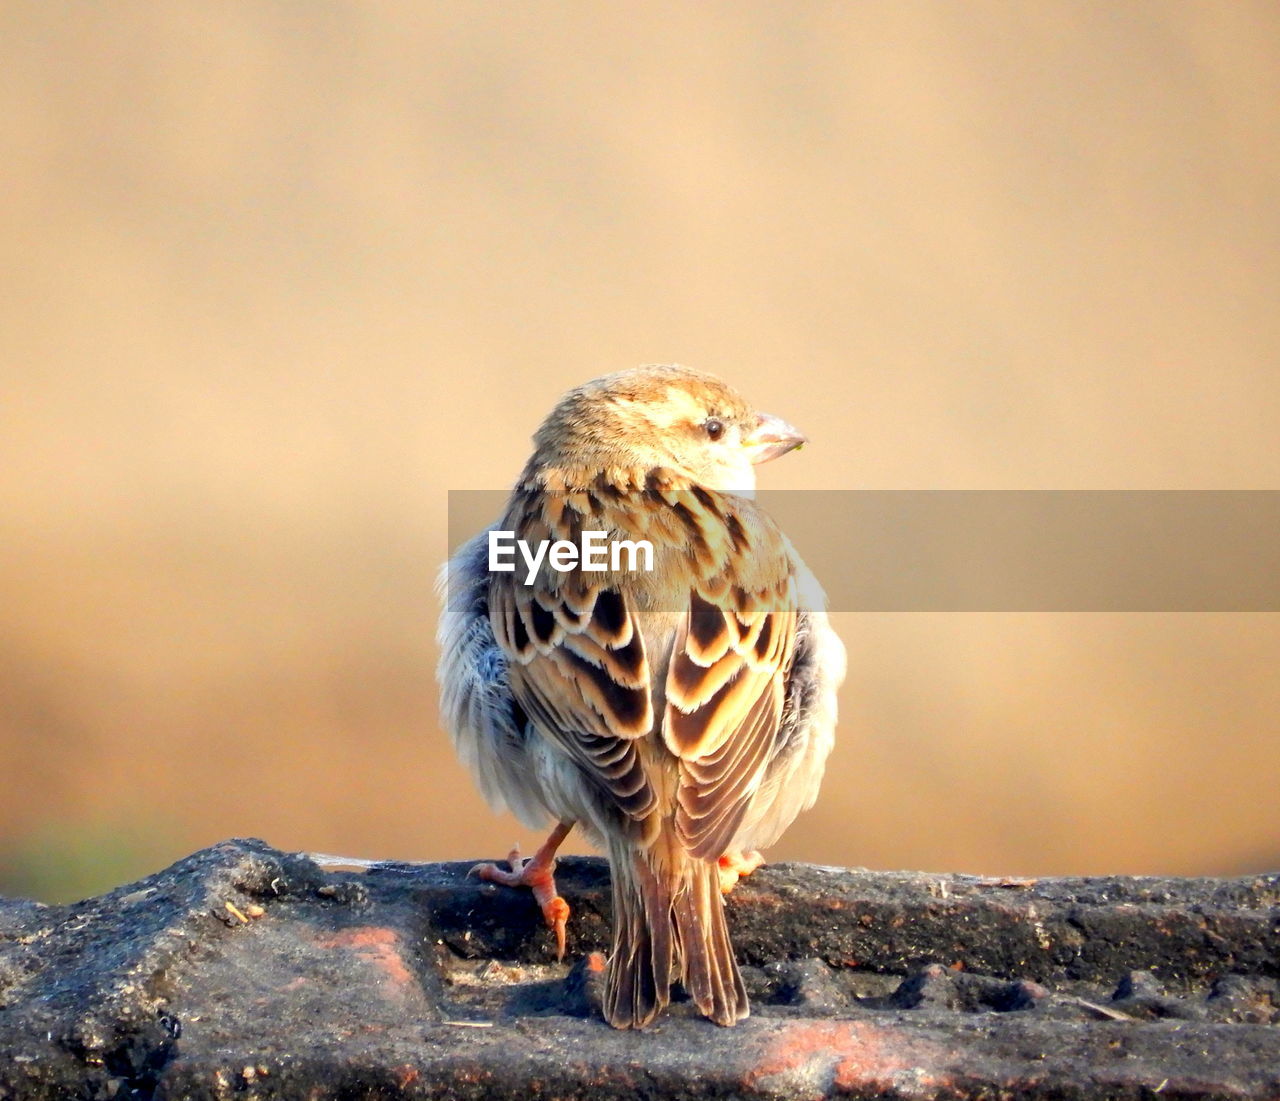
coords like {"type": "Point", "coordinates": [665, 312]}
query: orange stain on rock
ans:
{"type": "Point", "coordinates": [377, 945]}
{"type": "Point", "coordinates": [850, 1054]}
{"type": "Point", "coordinates": [405, 1075]}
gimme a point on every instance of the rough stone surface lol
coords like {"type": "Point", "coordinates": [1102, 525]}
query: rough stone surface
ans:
{"type": "Point", "coordinates": [243, 972]}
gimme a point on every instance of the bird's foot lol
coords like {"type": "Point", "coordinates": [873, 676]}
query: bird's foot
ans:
{"type": "Point", "coordinates": [538, 874]}
{"type": "Point", "coordinates": [736, 864]}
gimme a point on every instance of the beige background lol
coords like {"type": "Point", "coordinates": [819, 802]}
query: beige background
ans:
{"type": "Point", "coordinates": [277, 276]}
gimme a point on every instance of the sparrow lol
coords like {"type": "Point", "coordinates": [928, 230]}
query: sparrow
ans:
{"type": "Point", "coordinates": [680, 715]}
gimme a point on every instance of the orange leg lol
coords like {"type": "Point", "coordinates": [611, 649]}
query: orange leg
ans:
{"type": "Point", "coordinates": [536, 873]}
{"type": "Point", "coordinates": [734, 865]}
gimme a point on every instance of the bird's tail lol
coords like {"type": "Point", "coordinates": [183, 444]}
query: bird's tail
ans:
{"type": "Point", "coordinates": [664, 925]}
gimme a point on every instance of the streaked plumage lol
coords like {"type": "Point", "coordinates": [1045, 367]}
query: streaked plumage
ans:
{"type": "Point", "coordinates": [677, 715]}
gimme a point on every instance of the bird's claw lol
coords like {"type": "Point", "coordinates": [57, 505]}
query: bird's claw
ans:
{"type": "Point", "coordinates": [539, 876]}
{"type": "Point", "coordinates": [491, 873]}
{"type": "Point", "coordinates": [734, 865]}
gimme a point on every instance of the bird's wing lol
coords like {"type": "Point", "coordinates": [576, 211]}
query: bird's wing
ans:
{"type": "Point", "coordinates": [577, 664]}
{"type": "Point", "coordinates": [488, 727]}
{"type": "Point", "coordinates": [726, 680]}
{"type": "Point", "coordinates": [806, 732]}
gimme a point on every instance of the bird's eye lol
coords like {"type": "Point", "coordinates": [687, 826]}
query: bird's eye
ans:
{"type": "Point", "coordinates": [714, 427]}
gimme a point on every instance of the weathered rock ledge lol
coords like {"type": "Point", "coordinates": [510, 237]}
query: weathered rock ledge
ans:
{"type": "Point", "coordinates": [244, 972]}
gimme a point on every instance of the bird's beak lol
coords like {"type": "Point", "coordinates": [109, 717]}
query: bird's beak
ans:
{"type": "Point", "coordinates": [772, 437]}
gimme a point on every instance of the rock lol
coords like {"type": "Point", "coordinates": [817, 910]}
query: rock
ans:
{"type": "Point", "coordinates": [809, 985]}
{"type": "Point", "coordinates": [246, 972]}
{"type": "Point", "coordinates": [1141, 994]}
{"type": "Point", "coordinates": [1247, 999]}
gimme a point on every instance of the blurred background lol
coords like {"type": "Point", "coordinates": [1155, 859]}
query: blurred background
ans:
{"type": "Point", "coordinates": [279, 276]}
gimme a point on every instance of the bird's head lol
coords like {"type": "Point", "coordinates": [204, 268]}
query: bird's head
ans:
{"type": "Point", "coordinates": [661, 416]}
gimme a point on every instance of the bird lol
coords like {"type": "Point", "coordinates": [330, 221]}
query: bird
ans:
{"type": "Point", "coordinates": [681, 715]}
